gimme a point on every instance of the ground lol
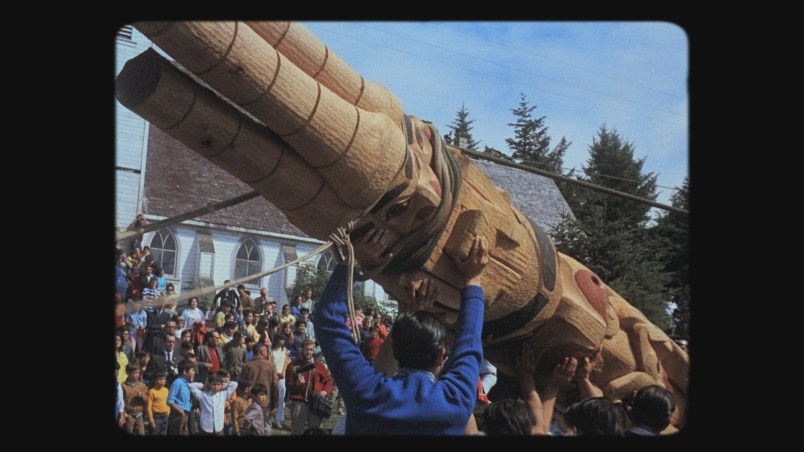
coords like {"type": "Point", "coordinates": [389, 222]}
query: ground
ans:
{"type": "Point", "coordinates": [327, 425]}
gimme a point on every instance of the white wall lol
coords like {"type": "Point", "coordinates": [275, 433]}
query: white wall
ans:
{"type": "Point", "coordinates": [131, 134]}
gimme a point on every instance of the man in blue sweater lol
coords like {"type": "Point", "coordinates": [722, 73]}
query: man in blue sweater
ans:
{"type": "Point", "coordinates": [423, 398]}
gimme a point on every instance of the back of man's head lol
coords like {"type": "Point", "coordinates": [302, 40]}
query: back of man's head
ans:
{"type": "Point", "coordinates": [652, 407]}
{"type": "Point", "coordinates": [417, 339]}
{"type": "Point", "coordinates": [596, 416]}
{"type": "Point", "coordinates": [508, 417]}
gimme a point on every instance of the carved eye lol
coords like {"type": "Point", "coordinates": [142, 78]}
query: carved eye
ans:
{"type": "Point", "coordinates": [398, 209]}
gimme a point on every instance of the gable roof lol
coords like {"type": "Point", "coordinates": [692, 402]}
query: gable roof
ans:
{"type": "Point", "coordinates": [537, 197]}
{"type": "Point", "coordinates": [178, 180]}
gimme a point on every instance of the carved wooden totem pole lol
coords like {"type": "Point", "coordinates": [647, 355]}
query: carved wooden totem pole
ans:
{"type": "Point", "coordinates": [327, 147]}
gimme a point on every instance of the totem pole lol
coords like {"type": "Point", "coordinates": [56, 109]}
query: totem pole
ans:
{"type": "Point", "coordinates": [286, 110]}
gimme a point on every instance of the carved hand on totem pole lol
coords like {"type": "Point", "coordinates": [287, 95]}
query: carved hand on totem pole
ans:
{"type": "Point", "coordinates": [326, 146]}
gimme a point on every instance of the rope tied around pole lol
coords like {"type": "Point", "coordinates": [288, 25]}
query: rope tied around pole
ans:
{"type": "Point", "coordinates": [341, 238]}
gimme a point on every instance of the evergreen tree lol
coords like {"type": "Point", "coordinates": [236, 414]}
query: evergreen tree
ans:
{"type": "Point", "coordinates": [609, 233]}
{"type": "Point", "coordinates": [531, 144]}
{"type": "Point", "coordinates": [312, 277]}
{"type": "Point", "coordinates": [611, 164]}
{"type": "Point", "coordinates": [495, 153]}
{"type": "Point", "coordinates": [673, 230]}
{"type": "Point", "coordinates": [461, 128]}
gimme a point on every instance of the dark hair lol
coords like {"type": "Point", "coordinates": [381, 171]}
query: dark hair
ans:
{"type": "Point", "coordinates": [241, 286]}
{"type": "Point", "coordinates": [417, 339]}
{"type": "Point", "coordinates": [159, 374]}
{"type": "Point", "coordinates": [303, 310]}
{"type": "Point", "coordinates": [596, 416]}
{"type": "Point", "coordinates": [258, 348]}
{"type": "Point", "coordinates": [258, 389]}
{"type": "Point", "coordinates": [229, 325]}
{"type": "Point", "coordinates": [652, 407]}
{"type": "Point", "coordinates": [186, 366]}
{"type": "Point", "coordinates": [223, 373]}
{"type": "Point", "coordinates": [508, 417]}
{"type": "Point", "coordinates": [214, 378]}
{"type": "Point", "coordinates": [131, 367]}
{"type": "Point", "coordinates": [243, 387]}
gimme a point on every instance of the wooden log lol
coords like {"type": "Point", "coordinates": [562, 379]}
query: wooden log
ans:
{"type": "Point", "coordinates": [305, 50]}
{"type": "Point", "coordinates": [339, 139]}
{"type": "Point", "coordinates": [153, 88]}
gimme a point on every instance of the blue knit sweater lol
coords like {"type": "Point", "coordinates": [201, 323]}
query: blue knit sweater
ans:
{"type": "Point", "coordinates": [403, 405]}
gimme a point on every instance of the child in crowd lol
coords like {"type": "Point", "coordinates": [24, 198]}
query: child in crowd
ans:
{"type": "Point", "coordinates": [240, 406]}
{"type": "Point", "coordinates": [158, 409]}
{"type": "Point", "coordinates": [211, 398]}
{"type": "Point", "coordinates": [254, 419]}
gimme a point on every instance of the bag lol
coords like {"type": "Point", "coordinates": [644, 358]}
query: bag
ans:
{"type": "Point", "coordinates": [320, 406]}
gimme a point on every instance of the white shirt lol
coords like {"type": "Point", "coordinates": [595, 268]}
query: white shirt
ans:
{"type": "Point", "coordinates": [212, 405]}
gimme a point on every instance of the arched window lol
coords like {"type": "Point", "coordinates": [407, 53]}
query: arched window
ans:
{"type": "Point", "coordinates": [248, 260]}
{"type": "Point", "coordinates": [163, 249]}
{"type": "Point", "coordinates": [327, 261]}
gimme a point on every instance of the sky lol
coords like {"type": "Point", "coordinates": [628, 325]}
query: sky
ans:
{"type": "Point", "coordinates": [630, 76]}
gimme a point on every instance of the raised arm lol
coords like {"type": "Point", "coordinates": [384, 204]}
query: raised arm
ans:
{"type": "Point", "coordinates": [526, 368]}
{"type": "Point", "coordinates": [559, 379]}
{"type": "Point", "coordinates": [586, 387]}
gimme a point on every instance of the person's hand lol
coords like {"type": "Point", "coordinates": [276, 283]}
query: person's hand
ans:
{"type": "Point", "coordinates": [301, 378]}
{"type": "Point", "coordinates": [526, 363]}
{"type": "Point", "coordinates": [323, 393]}
{"type": "Point", "coordinates": [584, 369]}
{"type": "Point", "coordinates": [561, 375]}
{"type": "Point", "coordinates": [371, 249]}
{"type": "Point", "coordinates": [586, 365]}
{"type": "Point", "coordinates": [472, 267]}
{"type": "Point", "coordinates": [121, 421]}
{"type": "Point", "coordinates": [273, 412]}
{"type": "Point", "coordinates": [423, 294]}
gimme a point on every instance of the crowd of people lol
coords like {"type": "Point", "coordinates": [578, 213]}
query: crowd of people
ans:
{"type": "Point", "coordinates": [241, 368]}
{"type": "Point", "coordinates": [679, 309]}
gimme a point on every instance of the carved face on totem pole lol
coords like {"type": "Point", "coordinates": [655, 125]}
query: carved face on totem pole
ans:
{"type": "Point", "coordinates": [327, 147]}
{"type": "Point", "coordinates": [416, 192]}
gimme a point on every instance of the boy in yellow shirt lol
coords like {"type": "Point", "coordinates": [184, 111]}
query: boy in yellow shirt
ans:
{"type": "Point", "coordinates": [158, 409]}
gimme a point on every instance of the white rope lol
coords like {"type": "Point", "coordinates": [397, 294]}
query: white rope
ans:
{"type": "Point", "coordinates": [341, 237]}
{"type": "Point", "coordinates": [173, 299]}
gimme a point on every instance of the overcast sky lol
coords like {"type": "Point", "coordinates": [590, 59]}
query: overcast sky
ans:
{"type": "Point", "coordinates": [632, 76]}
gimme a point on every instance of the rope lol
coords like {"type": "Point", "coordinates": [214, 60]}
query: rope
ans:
{"type": "Point", "coordinates": [209, 208]}
{"type": "Point", "coordinates": [173, 299]}
{"type": "Point", "coordinates": [341, 237]}
{"type": "Point", "coordinates": [570, 180]}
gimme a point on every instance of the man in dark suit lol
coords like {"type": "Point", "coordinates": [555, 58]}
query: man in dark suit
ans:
{"type": "Point", "coordinates": [209, 356]}
{"type": "Point", "coordinates": [229, 293]}
{"type": "Point", "coordinates": [168, 360]}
